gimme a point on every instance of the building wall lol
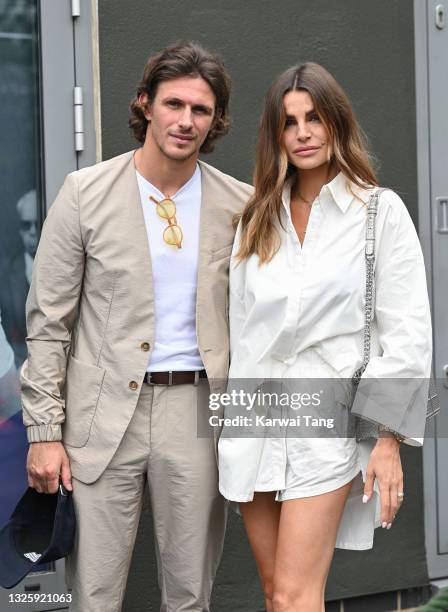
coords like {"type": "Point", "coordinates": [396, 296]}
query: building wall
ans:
{"type": "Point", "coordinates": [368, 46]}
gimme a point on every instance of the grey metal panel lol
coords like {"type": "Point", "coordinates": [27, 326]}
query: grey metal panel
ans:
{"type": "Point", "coordinates": [67, 48]}
{"type": "Point", "coordinates": [438, 130]}
{"type": "Point", "coordinates": [57, 78]}
{"type": "Point", "coordinates": [422, 128]}
{"type": "Point", "coordinates": [84, 77]}
{"type": "Point", "coordinates": [430, 46]}
{"type": "Point", "coordinates": [437, 565]}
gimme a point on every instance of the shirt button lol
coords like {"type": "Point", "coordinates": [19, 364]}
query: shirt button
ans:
{"type": "Point", "coordinates": [144, 346]}
{"type": "Point", "coordinates": [133, 385]}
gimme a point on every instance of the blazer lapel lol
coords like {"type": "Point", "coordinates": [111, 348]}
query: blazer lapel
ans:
{"type": "Point", "coordinates": [131, 238]}
{"type": "Point", "coordinates": [205, 245]}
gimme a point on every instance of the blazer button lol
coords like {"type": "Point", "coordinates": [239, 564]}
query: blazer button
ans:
{"type": "Point", "coordinates": [144, 346]}
{"type": "Point", "coordinates": [133, 385]}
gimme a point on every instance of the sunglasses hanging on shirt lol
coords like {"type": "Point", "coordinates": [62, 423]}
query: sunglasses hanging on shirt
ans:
{"type": "Point", "coordinates": [166, 209]}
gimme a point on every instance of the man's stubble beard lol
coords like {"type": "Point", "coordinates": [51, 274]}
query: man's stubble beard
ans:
{"type": "Point", "coordinates": [185, 157]}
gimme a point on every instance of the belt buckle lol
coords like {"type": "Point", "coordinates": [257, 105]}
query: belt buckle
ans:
{"type": "Point", "coordinates": [151, 382]}
{"type": "Point", "coordinates": [154, 384]}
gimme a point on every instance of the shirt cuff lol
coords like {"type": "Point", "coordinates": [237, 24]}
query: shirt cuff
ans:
{"type": "Point", "coordinates": [44, 433]}
{"type": "Point", "coordinates": [413, 441]}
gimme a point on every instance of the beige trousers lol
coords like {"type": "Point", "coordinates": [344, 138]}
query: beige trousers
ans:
{"type": "Point", "coordinates": [161, 448]}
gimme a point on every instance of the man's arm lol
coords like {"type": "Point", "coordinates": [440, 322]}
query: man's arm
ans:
{"type": "Point", "coordinates": [52, 307]}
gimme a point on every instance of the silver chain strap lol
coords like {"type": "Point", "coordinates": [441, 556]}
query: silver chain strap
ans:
{"type": "Point", "coordinates": [369, 253]}
{"type": "Point", "coordinates": [365, 429]}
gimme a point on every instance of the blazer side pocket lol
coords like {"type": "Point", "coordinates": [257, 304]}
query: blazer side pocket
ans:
{"type": "Point", "coordinates": [82, 391]}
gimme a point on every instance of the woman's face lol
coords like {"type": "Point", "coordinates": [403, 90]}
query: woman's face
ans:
{"type": "Point", "coordinates": [305, 138]}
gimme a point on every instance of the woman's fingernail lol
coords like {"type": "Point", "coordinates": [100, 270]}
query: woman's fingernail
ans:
{"type": "Point", "coordinates": [365, 499]}
{"type": "Point", "coordinates": [384, 525]}
{"type": "Point", "coordinates": [389, 526]}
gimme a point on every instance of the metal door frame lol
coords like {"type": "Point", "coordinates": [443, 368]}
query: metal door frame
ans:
{"type": "Point", "coordinates": [69, 58]}
{"type": "Point", "coordinates": [68, 55]}
{"type": "Point", "coordinates": [437, 561]}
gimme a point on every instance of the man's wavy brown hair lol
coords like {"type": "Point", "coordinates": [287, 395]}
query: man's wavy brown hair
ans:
{"type": "Point", "coordinates": [184, 60]}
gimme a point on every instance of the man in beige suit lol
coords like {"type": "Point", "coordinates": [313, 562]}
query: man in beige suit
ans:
{"type": "Point", "coordinates": [127, 332]}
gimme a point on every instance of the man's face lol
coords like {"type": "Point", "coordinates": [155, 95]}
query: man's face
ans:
{"type": "Point", "coordinates": [180, 116]}
{"type": "Point", "coordinates": [28, 223]}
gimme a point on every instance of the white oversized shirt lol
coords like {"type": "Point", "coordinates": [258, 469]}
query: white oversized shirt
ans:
{"type": "Point", "coordinates": [310, 300]}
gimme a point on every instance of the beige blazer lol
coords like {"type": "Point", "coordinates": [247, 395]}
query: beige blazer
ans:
{"type": "Point", "coordinates": [90, 309]}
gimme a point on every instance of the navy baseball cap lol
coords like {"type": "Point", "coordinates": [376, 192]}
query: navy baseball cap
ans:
{"type": "Point", "coordinates": [41, 529]}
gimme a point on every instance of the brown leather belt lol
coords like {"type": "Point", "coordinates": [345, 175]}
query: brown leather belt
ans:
{"type": "Point", "coordinates": [174, 378]}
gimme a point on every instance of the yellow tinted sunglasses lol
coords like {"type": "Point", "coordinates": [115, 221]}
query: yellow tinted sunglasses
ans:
{"type": "Point", "coordinates": [166, 209]}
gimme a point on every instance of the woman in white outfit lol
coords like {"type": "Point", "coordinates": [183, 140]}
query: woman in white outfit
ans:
{"type": "Point", "coordinates": [297, 298]}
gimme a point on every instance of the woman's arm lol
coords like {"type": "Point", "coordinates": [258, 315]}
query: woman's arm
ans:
{"type": "Point", "coordinates": [394, 388]}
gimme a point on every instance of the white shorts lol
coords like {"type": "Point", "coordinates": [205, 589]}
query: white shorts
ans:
{"type": "Point", "coordinates": [303, 467]}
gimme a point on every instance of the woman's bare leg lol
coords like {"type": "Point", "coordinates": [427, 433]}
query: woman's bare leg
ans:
{"type": "Point", "coordinates": [305, 546]}
{"type": "Point", "coordinates": [261, 519]}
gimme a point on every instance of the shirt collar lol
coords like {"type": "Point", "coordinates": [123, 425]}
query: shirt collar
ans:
{"type": "Point", "coordinates": [337, 191]}
{"type": "Point", "coordinates": [194, 180]}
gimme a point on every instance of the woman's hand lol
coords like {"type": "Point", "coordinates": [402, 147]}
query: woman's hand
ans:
{"type": "Point", "coordinates": [385, 465]}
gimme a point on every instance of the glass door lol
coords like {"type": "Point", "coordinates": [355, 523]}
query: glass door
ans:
{"type": "Point", "coordinates": [45, 53]}
{"type": "Point", "coordinates": [21, 216]}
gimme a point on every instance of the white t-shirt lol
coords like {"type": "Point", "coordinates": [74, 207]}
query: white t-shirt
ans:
{"type": "Point", "coordinates": [174, 273]}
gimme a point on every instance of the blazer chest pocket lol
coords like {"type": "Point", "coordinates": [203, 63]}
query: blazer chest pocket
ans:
{"type": "Point", "coordinates": [221, 253]}
{"type": "Point", "coordinates": [82, 391]}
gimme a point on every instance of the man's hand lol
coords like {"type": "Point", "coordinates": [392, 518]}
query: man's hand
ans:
{"type": "Point", "coordinates": [47, 461]}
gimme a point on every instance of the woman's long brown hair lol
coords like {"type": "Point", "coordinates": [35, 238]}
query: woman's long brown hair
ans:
{"type": "Point", "coordinates": [272, 169]}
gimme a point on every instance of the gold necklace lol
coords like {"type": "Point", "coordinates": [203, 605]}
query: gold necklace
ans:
{"type": "Point", "coordinates": [299, 196]}
{"type": "Point", "coordinates": [308, 202]}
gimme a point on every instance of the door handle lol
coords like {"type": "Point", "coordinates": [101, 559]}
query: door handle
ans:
{"type": "Point", "coordinates": [442, 214]}
{"type": "Point", "coordinates": [440, 16]}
